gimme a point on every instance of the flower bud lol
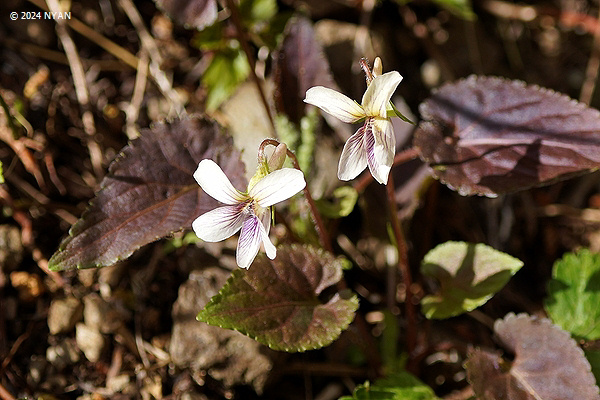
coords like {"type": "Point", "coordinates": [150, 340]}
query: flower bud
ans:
{"type": "Point", "coordinates": [277, 158]}
{"type": "Point", "coordinates": [377, 67]}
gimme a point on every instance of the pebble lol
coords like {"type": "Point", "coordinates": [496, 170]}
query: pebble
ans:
{"type": "Point", "coordinates": [64, 314]}
{"type": "Point", "coordinates": [90, 341]}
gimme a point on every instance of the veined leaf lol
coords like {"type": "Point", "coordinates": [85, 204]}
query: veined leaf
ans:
{"type": "Point", "coordinates": [547, 364]}
{"type": "Point", "coordinates": [299, 65]}
{"type": "Point", "coordinates": [574, 294]}
{"type": "Point", "coordinates": [486, 136]}
{"type": "Point", "coordinates": [149, 192]}
{"type": "Point", "coordinates": [469, 275]}
{"type": "Point", "coordinates": [277, 302]}
{"type": "Point", "coordinates": [400, 386]}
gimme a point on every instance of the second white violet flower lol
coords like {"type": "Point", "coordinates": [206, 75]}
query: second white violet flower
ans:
{"type": "Point", "coordinates": [248, 211]}
{"type": "Point", "coordinates": [374, 144]}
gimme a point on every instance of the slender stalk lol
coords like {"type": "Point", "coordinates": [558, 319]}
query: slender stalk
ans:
{"type": "Point", "coordinates": [411, 317]}
{"type": "Point", "coordinates": [316, 216]}
{"type": "Point", "coordinates": [243, 38]}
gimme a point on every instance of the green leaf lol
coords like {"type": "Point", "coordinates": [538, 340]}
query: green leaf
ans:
{"type": "Point", "coordinates": [258, 10]}
{"type": "Point", "coordinates": [149, 193]}
{"type": "Point", "coordinates": [469, 275]}
{"type": "Point", "coordinates": [342, 204]}
{"type": "Point", "coordinates": [593, 357]}
{"type": "Point", "coordinates": [460, 8]}
{"type": "Point", "coordinates": [400, 386]}
{"type": "Point", "coordinates": [574, 294]}
{"type": "Point", "coordinates": [278, 302]}
{"type": "Point", "coordinates": [226, 71]}
{"type": "Point", "coordinates": [394, 112]}
{"type": "Point", "coordinates": [1, 173]}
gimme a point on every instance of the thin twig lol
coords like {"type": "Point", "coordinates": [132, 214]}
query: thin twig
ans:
{"type": "Point", "coordinates": [148, 43]}
{"type": "Point", "coordinates": [81, 89]}
{"type": "Point", "coordinates": [243, 39]}
{"type": "Point", "coordinates": [132, 111]}
{"type": "Point", "coordinates": [5, 395]}
{"type": "Point", "coordinates": [108, 45]}
{"type": "Point", "coordinates": [411, 318]}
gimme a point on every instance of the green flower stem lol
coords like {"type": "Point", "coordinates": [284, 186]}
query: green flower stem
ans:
{"type": "Point", "coordinates": [411, 316]}
{"type": "Point", "coordinates": [243, 38]}
{"type": "Point", "coordinates": [316, 216]}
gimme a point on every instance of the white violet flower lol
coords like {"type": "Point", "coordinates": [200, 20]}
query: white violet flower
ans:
{"type": "Point", "coordinates": [249, 211]}
{"type": "Point", "coordinates": [374, 144]}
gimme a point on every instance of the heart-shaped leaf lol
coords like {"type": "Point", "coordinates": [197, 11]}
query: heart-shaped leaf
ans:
{"type": "Point", "coordinates": [149, 193]}
{"type": "Point", "coordinates": [486, 136]}
{"type": "Point", "coordinates": [399, 386]}
{"type": "Point", "coordinates": [277, 301]}
{"type": "Point", "coordinates": [193, 13]}
{"type": "Point", "coordinates": [547, 364]}
{"type": "Point", "coordinates": [469, 275]}
{"type": "Point", "coordinates": [574, 294]}
{"type": "Point", "coordinates": [299, 65]}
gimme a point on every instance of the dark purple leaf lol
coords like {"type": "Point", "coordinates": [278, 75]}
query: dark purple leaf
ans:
{"type": "Point", "coordinates": [277, 301]}
{"type": "Point", "coordinates": [485, 135]}
{"type": "Point", "coordinates": [149, 192]}
{"type": "Point", "coordinates": [299, 65]}
{"type": "Point", "coordinates": [195, 13]}
{"type": "Point", "coordinates": [547, 364]}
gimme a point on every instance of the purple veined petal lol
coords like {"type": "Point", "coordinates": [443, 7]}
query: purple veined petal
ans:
{"type": "Point", "coordinates": [334, 103]}
{"type": "Point", "coordinates": [277, 186]}
{"type": "Point", "coordinates": [353, 160]}
{"type": "Point", "coordinates": [379, 170]}
{"type": "Point", "coordinates": [249, 241]}
{"type": "Point", "coordinates": [220, 223]}
{"type": "Point", "coordinates": [215, 183]}
{"type": "Point", "coordinates": [378, 94]}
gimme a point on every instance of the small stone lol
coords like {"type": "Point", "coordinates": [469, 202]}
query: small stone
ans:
{"type": "Point", "coordinates": [37, 366]}
{"type": "Point", "coordinates": [98, 314]}
{"type": "Point", "coordinates": [11, 248]}
{"type": "Point", "coordinates": [63, 354]}
{"type": "Point", "coordinates": [29, 286]}
{"type": "Point", "coordinates": [64, 314]}
{"type": "Point", "coordinates": [117, 383]}
{"type": "Point", "coordinates": [90, 341]}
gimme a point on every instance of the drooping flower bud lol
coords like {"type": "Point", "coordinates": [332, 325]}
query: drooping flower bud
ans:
{"type": "Point", "coordinates": [277, 158]}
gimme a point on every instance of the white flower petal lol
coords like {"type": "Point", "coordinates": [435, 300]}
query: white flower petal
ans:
{"type": "Point", "coordinates": [266, 222]}
{"type": "Point", "coordinates": [249, 241]}
{"type": "Point", "coordinates": [379, 170]}
{"type": "Point", "coordinates": [385, 141]}
{"type": "Point", "coordinates": [265, 218]}
{"type": "Point", "coordinates": [277, 186]}
{"type": "Point", "coordinates": [353, 159]}
{"type": "Point", "coordinates": [378, 94]}
{"type": "Point", "coordinates": [334, 103]}
{"type": "Point", "coordinates": [215, 183]}
{"type": "Point", "coordinates": [269, 247]}
{"type": "Point", "coordinates": [220, 223]}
